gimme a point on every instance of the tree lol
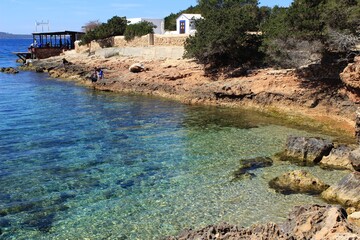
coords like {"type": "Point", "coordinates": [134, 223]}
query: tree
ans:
{"type": "Point", "coordinates": [138, 30]}
{"type": "Point", "coordinates": [309, 29]}
{"type": "Point", "coordinates": [91, 25]}
{"type": "Point", "coordinates": [114, 27]}
{"type": "Point", "coordinates": [223, 39]}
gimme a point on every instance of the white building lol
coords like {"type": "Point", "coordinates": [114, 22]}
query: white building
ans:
{"type": "Point", "coordinates": [185, 23]}
{"type": "Point", "coordinates": [159, 23]}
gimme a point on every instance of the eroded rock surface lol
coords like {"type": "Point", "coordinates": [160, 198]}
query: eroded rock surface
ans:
{"type": "Point", "coordinates": [298, 181]}
{"type": "Point", "coordinates": [304, 222]}
{"type": "Point", "coordinates": [346, 191]}
{"type": "Point", "coordinates": [351, 74]}
{"type": "Point", "coordinates": [339, 158]}
{"type": "Point", "coordinates": [306, 150]}
{"type": "Point", "coordinates": [354, 157]}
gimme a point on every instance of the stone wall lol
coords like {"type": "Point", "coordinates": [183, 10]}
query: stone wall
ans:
{"type": "Point", "coordinates": [144, 41]}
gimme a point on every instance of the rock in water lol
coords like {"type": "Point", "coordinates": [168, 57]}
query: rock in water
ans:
{"type": "Point", "coordinates": [339, 158]}
{"type": "Point", "coordinates": [10, 70]}
{"type": "Point", "coordinates": [298, 181]}
{"type": "Point", "coordinates": [306, 150]}
{"type": "Point", "coordinates": [346, 192]}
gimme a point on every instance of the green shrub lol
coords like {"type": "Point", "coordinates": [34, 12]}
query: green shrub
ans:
{"type": "Point", "coordinates": [138, 30]}
{"type": "Point", "coordinates": [114, 27]}
{"type": "Point", "coordinates": [224, 39]}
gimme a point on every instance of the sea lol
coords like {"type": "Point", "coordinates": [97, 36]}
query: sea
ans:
{"type": "Point", "coordinates": [76, 163]}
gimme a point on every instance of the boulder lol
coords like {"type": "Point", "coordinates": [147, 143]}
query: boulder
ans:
{"type": "Point", "coordinates": [354, 218]}
{"type": "Point", "coordinates": [39, 69]}
{"type": "Point", "coordinates": [355, 159]}
{"type": "Point", "coordinates": [251, 164]}
{"type": "Point", "coordinates": [346, 191]}
{"type": "Point", "coordinates": [298, 181]}
{"type": "Point", "coordinates": [351, 74]}
{"type": "Point", "coordinates": [306, 150]}
{"type": "Point", "coordinates": [136, 67]}
{"type": "Point", "coordinates": [319, 222]}
{"type": "Point", "coordinates": [339, 158]}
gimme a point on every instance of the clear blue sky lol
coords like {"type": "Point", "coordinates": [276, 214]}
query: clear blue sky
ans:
{"type": "Point", "coordinates": [19, 16]}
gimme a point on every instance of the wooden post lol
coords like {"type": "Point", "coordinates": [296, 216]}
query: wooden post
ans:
{"type": "Point", "coordinates": [151, 39]}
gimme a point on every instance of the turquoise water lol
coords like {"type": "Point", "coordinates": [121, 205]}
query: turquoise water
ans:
{"type": "Point", "coordinates": [80, 164]}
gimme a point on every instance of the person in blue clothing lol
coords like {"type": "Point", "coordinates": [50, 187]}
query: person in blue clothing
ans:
{"type": "Point", "coordinates": [99, 73]}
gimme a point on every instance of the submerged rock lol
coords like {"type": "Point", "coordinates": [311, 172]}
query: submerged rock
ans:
{"type": "Point", "coordinates": [339, 158]}
{"type": "Point", "coordinates": [306, 150]}
{"type": "Point", "coordinates": [298, 181]}
{"type": "Point", "coordinates": [251, 164]}
{"type": "Point", "coordinates": [346, 192]}
{"type": "Point", "coordinates": [304, 222]}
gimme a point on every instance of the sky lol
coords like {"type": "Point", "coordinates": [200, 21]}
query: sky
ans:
{"type": "Point", "coordinates": [20, 16]}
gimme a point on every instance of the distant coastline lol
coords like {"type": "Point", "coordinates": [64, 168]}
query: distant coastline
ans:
{"type": "Point", "coordinates": [4, 35]}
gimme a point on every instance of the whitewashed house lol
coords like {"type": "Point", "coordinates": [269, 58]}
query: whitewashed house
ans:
{"type": "Point", "coordinates": [185, 23]}
{"type": "Point", "coordinates": [159, 23]}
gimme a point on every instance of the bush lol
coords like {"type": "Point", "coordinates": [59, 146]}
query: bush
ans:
{"type": "Point", "coordinates": [223, 38]}
{"type": "Point", "coordinates": [114, 27]}
{"type": "Point", "coordinates": [306, 31]}
{"type": "Point", "coordinates": [138, 30]}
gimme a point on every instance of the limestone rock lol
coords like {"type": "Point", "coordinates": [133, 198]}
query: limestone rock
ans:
{"type": "Point", "coordinates": [298, 181]}
{"type": "Point", "coordinates": [304, 222]}
{"type": "Point", "coordinates": [346, 191]}
{"type": "Point", "coordinates": [136, 67]}
{"type": "Point", "coordinates": [306, 150]}
{"type": "Point", "coordinates": [227, 231]}
{"type": "Point", "coordinates": [354, 218]}
{"type": "Point", "coordinates": [355, 159]}
{"type": "Point", "coordinates": [339, 158]}
{"type": "Point", "coordinates": [351, 74]}
{"type": "Point", "coordinates": [39, 70]}
{"type": "Point", "coordinates": [10, 70]}
{"type": "Point", "coordinates": [319, 222]}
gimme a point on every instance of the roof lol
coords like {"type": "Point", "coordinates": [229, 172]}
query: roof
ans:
{"type": "Point", "coordinates": [66, 32]}
{"type": "Point", "coordinates": [191, 16]}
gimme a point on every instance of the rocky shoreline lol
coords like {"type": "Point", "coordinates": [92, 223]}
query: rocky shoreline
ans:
{"type": "Point", "coordinates": [332, 105]}
{"type": "Point", "coordinates": [287, 92]}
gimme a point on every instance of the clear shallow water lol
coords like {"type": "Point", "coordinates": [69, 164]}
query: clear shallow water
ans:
{"type": "Point", "coordinates": [76, 164]}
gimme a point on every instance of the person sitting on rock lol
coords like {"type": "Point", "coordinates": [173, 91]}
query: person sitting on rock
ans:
{"type": "Point", "coordinates": [100, 74]}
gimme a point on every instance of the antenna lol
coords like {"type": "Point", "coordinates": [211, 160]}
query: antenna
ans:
{"type": "Point", "coordinates": [42, 23]}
